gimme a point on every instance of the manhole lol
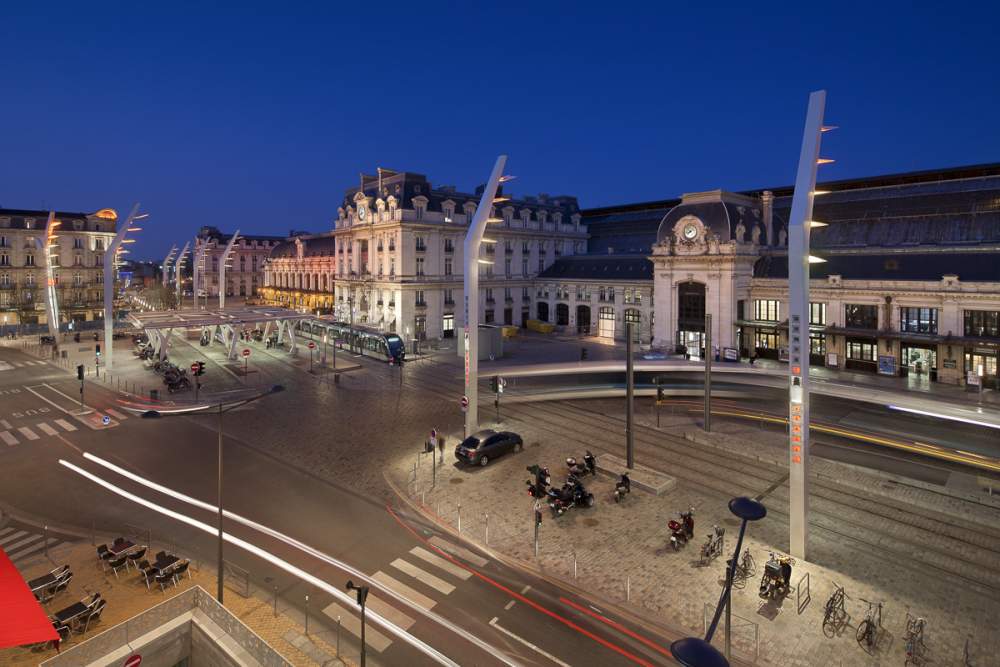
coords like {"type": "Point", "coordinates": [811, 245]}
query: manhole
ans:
{"type": "Point", "coordinates": [590, 523]}
{"type": "Point", "coordinates": [455, 480]}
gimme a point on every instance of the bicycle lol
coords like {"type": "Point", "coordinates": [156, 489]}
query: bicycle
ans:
{"type": "Point", "coordinates": [914, 640]}
{"type": "Point", "coordinates": [834, 614]}
{"type": "Point", "coordinates": [871, 627]}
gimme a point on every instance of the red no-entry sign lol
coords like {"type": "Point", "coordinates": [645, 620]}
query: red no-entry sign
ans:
{"type": "Point", "coordinates": [132, 661]}
{"type": "Point", "coordinates": [312, 345]}
{"type": "Point", "coordinates": [246, 352]}
{"type": "Point", "coordinates": [465, 403]}
{"type": "Point", "coordinates": [194, 367]}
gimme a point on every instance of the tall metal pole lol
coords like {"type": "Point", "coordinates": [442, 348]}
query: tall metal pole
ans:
{"type": "Point", "coordinates": [221, 573]}
{"type": "Point", "coordinates": [222, 269]}
{"type": "Point", "coordinates": [798, 326]}
{"type": "Point", "coordinates": [470, 289]}
{"type": "Point", "coordinates": [165, 267]}
{"type": "Point", "coordinates": [629, 395]}
{"type": "Point", "coordinates": [708, 372]}
{"type": "Point", "coordinates": [46, 247]}
{"type": "Point", "coordinates": [110, 260]}
{"type": "Point", "coordinates": [178, 274]}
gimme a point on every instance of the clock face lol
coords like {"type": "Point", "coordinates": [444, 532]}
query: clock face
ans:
{"type": "Point", "coordinates": [690, 231]}
{"type": "Point", "coordinates": [361, 213]}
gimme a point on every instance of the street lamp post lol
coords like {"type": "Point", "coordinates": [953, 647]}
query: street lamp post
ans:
{"type": "Point", "coordinates": [696, 652]}
{"type": "Point", "coordinates": [362, 592]}
{"type": "Point", "coordinates": [110, 270]}
{"type": "Point", "coordinates": [155, 414]}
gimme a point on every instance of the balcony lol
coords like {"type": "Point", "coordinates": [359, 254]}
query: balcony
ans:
{"type": "Point", "coordinates": [449, 302]}
{"type": "Point", "coordinates": [420, 247]}
{"type": "Point", "coordinates": [420, 304]}
{"type": "Point", "coordinates": [379, 247]}
{"type": "Point", "coordinates": [490, 301]}
{"type": "Point", "coordinates": [449, 248]}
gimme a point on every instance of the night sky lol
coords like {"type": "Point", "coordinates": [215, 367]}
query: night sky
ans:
{"type": "Point", "coordinates": [259, 119]}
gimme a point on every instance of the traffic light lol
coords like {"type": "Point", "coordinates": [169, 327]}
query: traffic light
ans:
{"type": "Point", "coordinates": [362, 592]}
{"type": "Point", "coordinates": [79, 372]}
{"type": "Point", "coordinates": [98, 347]}
{"type": "Point", "coordinates": [201, 368]}
{"type": "Point", "coordinates": [583, 354]}
{"type": "Point", "coordinates": [495, 384]}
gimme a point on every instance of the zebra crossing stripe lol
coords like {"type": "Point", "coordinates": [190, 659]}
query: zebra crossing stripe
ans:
{"type": "Point", "coordinates": [8, 438]}
{"type": "Point", "coordinates": [65, 424]}
{"type": "Point", "coordinates": [33, 548]}
{"type": "Point", "coordinates": [114, 413]}
{"type": "Point", "coordinates": [446, 565]}
{"type": "Point", "coordinates": [423, 577]}
{"type": "Point", "coordinates": [6, 424]}
{"type": "Point", "coordinates": [28, 433]}
{"type": "Point", "coordinates": [10, 538]}
{"type": "Point", "coordinates": [375, 639]}
{"type": "Point", "coordinates": [387, 611]}
{"type": "Point", "coordinates": [6, 531]}
{"type": "Point", "coordinates": [17, 545]}
{"type": "Point", "coordinates": [46, 429]}
{"type": "Point", "coordinates": [398, 587]}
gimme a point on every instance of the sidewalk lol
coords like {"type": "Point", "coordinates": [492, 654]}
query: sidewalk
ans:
{"type": "Point", "coordinates": [622, 552]}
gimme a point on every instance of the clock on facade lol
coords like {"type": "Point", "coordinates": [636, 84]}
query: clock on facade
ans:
{"type": "Point", "coordinates": [361, 213]}
{"type": "Point", "coordinates": [690, 231]}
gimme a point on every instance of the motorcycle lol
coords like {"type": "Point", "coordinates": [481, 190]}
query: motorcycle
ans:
{"type": "Point", "coordinates": [589, 465]}
{"type": "Point", "coordinates": [180, 384]}
{"type": "Point", "coordinates": [713, 546]}
{"type": "Point", "coordinates": [622, 488]}
{"type": "Point", "coordinates": [572, 494]}
{"type": "Point", "coordinates": [683, 530]}
{"type": "Point", "coordinates": [205, 340]}
{"type": "Point", "coordinates": [777, 578]}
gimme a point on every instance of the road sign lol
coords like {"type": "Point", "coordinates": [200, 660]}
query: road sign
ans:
{"type": "Point", "coordinates": [105, 420]}
{"type": "Point", "coordinates": [312, 345]}
{"type": "Point", "coordinates": [465, 403]}
{"type": "Point", "coordinates": [246, 352]}
{"type": "Point", "coordinates": [194, 367]}
{"type": "Point", "coordinates": [132, 661]}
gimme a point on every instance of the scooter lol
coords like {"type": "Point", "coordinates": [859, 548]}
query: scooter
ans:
{"type": "Point", "coordinates": [622, 488]}
{"type": "Point", "coordinates": [573, 493]}
{"type": "Point", "coordinates": [713, 547]}
{"type": "Point", "coordinates": [777, 576]}
{"type": "Point", "coordinates": [682, 531]}
{"type": "Point", "coordinates": [589, 465]}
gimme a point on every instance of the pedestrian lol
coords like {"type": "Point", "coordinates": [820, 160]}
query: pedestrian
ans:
{"type": "Point", "coordinates": [752, 359]}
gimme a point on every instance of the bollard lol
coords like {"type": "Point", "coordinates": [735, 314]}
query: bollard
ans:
{"type": "Point", "coordinates": [574, 565]}
{"type": "Point", "coordinates": [276, 602]}
{"type": "Point", "coordinates": [628, 589]}
{"type": "Point", "coordinates": [45, 538]}
{"type": "Point", "coordinates": [434, 474]}
{"type": "Point", "coordinates": [487, 529]}
{"type": "Point", "coordinates": [536, 540]}
{"type": "Point", "coordinates": [338, 636]}
{"type": "Point", "coordinates": [307, 615]}
{"type": "Point", "coordinates": [423, 498]}
{"type": "Point", "coordinates": [460, 517]}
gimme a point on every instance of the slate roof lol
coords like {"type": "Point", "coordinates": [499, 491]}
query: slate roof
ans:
{"type": "Point", "coordinates": [722, 217]}
{"type": "Point", "coordinates": [929, 266]}
{"type": "Point", "coordinates": [600, 267]}
{"type": "Point", "coordinates": [315, 246]}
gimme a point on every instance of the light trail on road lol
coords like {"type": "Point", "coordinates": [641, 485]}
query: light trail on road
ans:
{"type": "Point", "coordinates": [421, 646]}
{"type": "Point", "coordinates": [291, 541]}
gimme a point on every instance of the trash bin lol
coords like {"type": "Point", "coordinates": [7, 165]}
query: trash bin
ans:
{"type": "Point", "coordinates": [154, 394]}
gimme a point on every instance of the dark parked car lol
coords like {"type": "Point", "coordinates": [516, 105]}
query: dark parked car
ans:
{"type": "Point", "coordinates": [482, 447]}
{"type": "Point", "coordinates": [47, 340]}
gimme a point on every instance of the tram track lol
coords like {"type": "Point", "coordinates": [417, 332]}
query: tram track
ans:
{"type": "Point", "coordinates": [756, 477]}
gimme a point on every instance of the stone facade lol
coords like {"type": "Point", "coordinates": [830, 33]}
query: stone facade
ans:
{"type": "Point", "coordinates": [245, 276]}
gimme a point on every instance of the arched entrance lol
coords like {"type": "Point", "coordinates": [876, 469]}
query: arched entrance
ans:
{"type": "Point", "coordinates": [543, 311]}
{"type": "Point", "coordinates": [583, 320]}
{"type": "Point", "coordinates": [562, 314]}
{"type": "Point", "coordinates": [691, 318]}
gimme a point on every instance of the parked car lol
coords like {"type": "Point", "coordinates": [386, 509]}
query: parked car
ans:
{"type": "Point", "coordinates": [482, 447]}
{"type": "Point", "coordinates": [46, 340]}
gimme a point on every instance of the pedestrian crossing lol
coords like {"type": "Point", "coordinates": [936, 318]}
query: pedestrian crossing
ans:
{"type": "Point", "coordinates": [22, 542]}
{"type": "Point", "coordinates": [11, 365]}
{"type": "Point", "coordinates": [15, 435]}
{"type": "Point", "coordinates": [417, 576]}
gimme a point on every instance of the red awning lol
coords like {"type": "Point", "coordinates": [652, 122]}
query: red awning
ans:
{"type": "Point", "coordinates": [22, 619]}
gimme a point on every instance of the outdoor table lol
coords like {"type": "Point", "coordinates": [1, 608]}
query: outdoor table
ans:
{"type": "Point", "coordinates": [71, 613]}
{"type": "Point", "coordinates": [166, 563]}
{"type": "Point", "coordinates": [118, 548]}
{"type": "Point", "coordinates": [42, 582]}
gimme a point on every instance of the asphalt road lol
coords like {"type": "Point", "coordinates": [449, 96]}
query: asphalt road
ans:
{"type": "Point", "coordinates": [521, 618]}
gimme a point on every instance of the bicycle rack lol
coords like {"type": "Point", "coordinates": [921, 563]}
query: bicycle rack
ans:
{"type": "Point", "coordinates": [802, 601]}
{"type": "Point", "coordinates": [738, 631]}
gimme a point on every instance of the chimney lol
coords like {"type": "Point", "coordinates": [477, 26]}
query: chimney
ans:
{"type": "Point", "coordinates": [767, 204]}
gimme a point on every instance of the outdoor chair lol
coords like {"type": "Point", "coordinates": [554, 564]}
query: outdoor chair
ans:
{"type": "Point", "coordinates": [62, 583]}
{"type": "Point", "coordinates": [161, 556]}
{"type": "Point", "coordinates": [180, 570]}
{"type": "Point", "coordinates": [60, 572]}
{"type": "Point", "coordinates": [95, 615]}
{"type": "Point", "coordinates": [103, 553]}
{"type": "Point", "coordinates": [136, 555]}
{"type": "Point", "coordinates": [164, 578]}
{"type": "Point", "coordinates": [115, 565]}
{"type": "Point", "coordinates": [147, 572]}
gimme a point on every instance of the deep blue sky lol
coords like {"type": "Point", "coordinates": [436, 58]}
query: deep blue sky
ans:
{"type": "Point", "coordinates": [260, 118]}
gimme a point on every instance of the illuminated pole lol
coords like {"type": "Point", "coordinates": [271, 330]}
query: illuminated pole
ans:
{"type": "Point", "coordinates": [110, 266]}
{"type": "Point", "coordinates": [47, 247]}
{"type": "Point", "coordinates": [473, 239]}
{"type": "Point", "coordinates": [799, 224]}
{"type": "Point", "coordinates": [226, 254]}
{"type": "Point", "coordinates": [199, 270]}
{"type": "Point", "coordinates": [178, 273]}
{"type": "Point", "coordinates": [165, 267]}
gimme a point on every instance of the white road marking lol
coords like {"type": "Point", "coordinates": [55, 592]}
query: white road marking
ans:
{"type": "Point", "coordinates": [10, 538]}
{"type": "Point", "coordinates": [352, 624]}
{"type": "Point", "coordinates": [416, 597]}
{"type": "Point", "coordinates": [424, 577]}
{"type": "Point", "coordinates": [35, 547]}
{"type": "Point", "coordinates": [28, 433]}
{"type": "Point", "coordinates": [46, 429]}
{"type": "Point", "coordinates": [65, 424]}
{"type": "Point", "coordinates": [17, 545]}
{"type": "Point", "coordinates": [456, 550]}
{"type": "Point", "coordinates": [528, 644]}
{"type": "Point", "coordinates": [386, 610]}
{"type": "Point", "coordinates": [114, 413]}
{"type": "Point", "coordinates": [509, 605]}
{"type": "Point", "coordinates": [8, 438]}
{"type": "Point", "coordinates": [16, 364]}
{"type": "Point", "coordinates": [5, 424]}
{"type": "Point", "coordinates": [5, 366]}
{"type": "Point", "coordinates": [525, 589]}
{"type": "Point", "coordinates": [446, 565]}
{"type": "Point", "coordinates": [6, 531]}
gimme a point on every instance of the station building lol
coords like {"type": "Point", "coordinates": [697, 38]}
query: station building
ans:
{"type": "Point", "coordinates": [81, 239]}
{"type": "Point", "coordinates": [245, 276]}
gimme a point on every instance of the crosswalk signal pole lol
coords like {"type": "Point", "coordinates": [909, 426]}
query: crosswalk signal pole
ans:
{"type": "Point", "coordinates": [79, 375]}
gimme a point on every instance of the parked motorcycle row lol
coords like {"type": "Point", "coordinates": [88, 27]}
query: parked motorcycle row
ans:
{"type": "Point", "coordinates": [572, 493]}
{"type": "Point", "coordinates": [174, 377]}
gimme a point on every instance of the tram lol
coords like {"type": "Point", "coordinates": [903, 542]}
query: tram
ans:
{"type": "Point", "coordinates": [367, 340]}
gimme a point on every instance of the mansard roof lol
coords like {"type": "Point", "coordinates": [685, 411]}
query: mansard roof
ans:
{"type": "Point", "coordinates": [912, 265]}
{"type": "Point", "coordinates": [319, 245]}
{"type": "Point", "coordinates": [719, 211]}
{"type": "Point", "coordinates": [599, 267]}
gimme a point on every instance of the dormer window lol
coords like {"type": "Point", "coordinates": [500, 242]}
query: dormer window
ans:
{"type": "Point", "coordinates": [420, 207]}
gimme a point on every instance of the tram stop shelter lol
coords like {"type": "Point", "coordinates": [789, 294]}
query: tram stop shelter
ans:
{"type": "Point", "coordinates": [221, 324]}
